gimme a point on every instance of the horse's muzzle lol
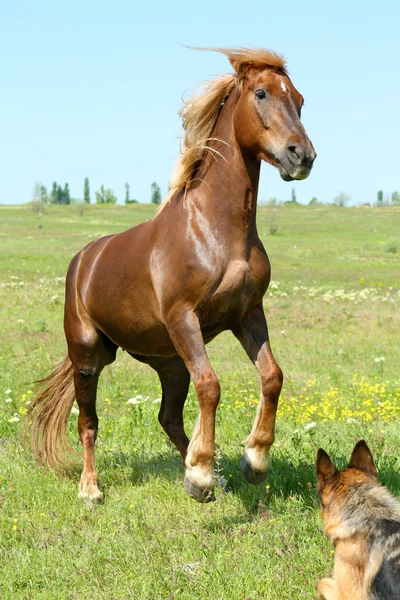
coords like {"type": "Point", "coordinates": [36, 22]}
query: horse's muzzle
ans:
{"type": "Point", "coordinates": [296, 162]}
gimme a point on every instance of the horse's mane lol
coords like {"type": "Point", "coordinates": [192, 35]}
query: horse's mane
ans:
{"type": "Point", "coordinates": [200, 112]}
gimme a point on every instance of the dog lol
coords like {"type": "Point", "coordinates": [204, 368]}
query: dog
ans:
{"type": "Point", "coordinates": [362, 520]}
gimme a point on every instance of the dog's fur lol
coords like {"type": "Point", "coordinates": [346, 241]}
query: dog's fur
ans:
{"type": "Point", "coordinates": [362, 520]}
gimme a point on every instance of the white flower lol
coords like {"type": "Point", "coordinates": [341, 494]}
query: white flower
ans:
{"type": "Point", "coordinates": [14, 419]}
{"type": "Point", "coordinates": [139, 397]}
{"type": "Point", "coordinates": [133, 401]}
{"type": "Point", "coordinates": [7, 392]}
{"type": "Point", "coordinates": [74, 411]}
{"type": "Point", "coordinates": [157, 401]}
{"type": "Point", "coordinates": [379, 359]}
{"type": "Point", "coordinates": [8, 400]}
{"type": "Point", "coordinates": [309, 426]}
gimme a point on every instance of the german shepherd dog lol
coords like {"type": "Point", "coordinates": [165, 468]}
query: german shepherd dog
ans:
{"type": "Point", "coordinates": [362, 520]}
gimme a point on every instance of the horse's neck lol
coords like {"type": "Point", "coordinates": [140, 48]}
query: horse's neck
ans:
{"type": "Point", "coordinates": [226, 184]}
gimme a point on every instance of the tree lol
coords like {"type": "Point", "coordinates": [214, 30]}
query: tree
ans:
{"type": "Point", "coordinates": [66, 197]}
{"type": "Point", "coordinates": [341, 199]}
{"type": "Point", "coordinates": [37, 204]}
{"type": "Point", "coordinates": [86, 191]}
{"type": "Point", "coordinates": [314, 202]}
{"type": "Point", "coordinates": [293, 199]}
{"type": "Point", "coordinates": [36, 191]}
{"type": "Point", "coordinates": [396, 199]}
{"type": "Point", "coordinates": [59, 195]}
{"type": "Point", "coordinates": [155, 193]}
{"type": "Point", "coordinates": [100, 195]}
{"type": "Point", "coordinates": [105, 196]}
{"type": "Point", "coordinates": [127, 194]}
{"type": "Point", "coordinates": [379, 198]}
{"type": "Point", "coordinates": [53, 193]}
{"type": "Point", "coordinates": [43, 194]}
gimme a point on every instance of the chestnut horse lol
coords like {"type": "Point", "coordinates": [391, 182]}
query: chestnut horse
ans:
{"type": "Point", "coordinates": [165, 288]}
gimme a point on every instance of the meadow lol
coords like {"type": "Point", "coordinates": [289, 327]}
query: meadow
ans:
{"type": "Point", "coordinates": [333, 309]}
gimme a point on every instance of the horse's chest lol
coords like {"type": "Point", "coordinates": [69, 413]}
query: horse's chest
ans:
{"type": "Point", "coordinates": [236, 279]}
{"type": "Point", "coordinates": [236, 290]}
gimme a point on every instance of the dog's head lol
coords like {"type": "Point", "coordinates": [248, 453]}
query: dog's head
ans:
{"type": "Point", "coordinates": [334, 486]}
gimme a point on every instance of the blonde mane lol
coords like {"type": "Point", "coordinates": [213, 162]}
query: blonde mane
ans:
{"type": "Point", "coordinates": [200, 112]}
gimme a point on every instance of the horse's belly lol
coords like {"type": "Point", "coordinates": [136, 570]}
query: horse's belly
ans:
{"type": "Point", "coordinates": [138, 337]}
{"type": "Point", "coordinates": [132, 321]}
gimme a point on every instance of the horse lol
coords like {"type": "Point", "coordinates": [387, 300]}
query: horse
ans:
{"type": "Point", "coordinates": [165, 288]}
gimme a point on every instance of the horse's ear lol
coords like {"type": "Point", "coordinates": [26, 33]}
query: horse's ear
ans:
{"type": "Point", "coordinates": [362, 460]}
{"type": "Point", "coordinates": [325, 468]}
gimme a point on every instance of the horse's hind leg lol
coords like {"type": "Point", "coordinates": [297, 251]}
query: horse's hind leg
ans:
{"type": "Point", "coordinates": [175, 379]}
{"type": "Point", "coordinates": [86, 380]}
{"type": "Point", "coordinates": [89, 351]}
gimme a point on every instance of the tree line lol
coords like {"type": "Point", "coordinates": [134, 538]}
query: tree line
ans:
{"type": "Point", "coordinates": [61, 194]}
{"type": "Point", "coordinates": [342, 199]}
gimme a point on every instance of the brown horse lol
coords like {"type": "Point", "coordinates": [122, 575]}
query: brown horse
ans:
{"type": "Point", "coordinates": [201, 268]}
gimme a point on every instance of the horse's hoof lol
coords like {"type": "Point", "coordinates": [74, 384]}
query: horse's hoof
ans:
{"type": "Point", "coordinates": [95, 497]}
{"type": "Point", "coordinates": [249, 473]}
{"type": "Point", "coordinates": [198, 493]}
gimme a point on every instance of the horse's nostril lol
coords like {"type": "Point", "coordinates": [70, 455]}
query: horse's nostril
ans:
{"type": "Point", "coordinates": [296, 154]}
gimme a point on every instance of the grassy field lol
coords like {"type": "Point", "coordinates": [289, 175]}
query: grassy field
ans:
{"type": "Point", "coordinates": [334, 316]}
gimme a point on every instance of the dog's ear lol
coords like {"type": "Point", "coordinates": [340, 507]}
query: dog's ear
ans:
{"type": "Point", "coordinates": [362, 460]}
{"type": "Point", "coordinates": [325, 468]}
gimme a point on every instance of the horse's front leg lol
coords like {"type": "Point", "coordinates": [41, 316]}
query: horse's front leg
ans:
{"type": "Point", "coordinates": [253, 335]}
{"type": "Point", "coordinates": [184, 330]}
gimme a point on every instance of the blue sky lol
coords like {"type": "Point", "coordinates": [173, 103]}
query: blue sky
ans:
{"type": "Point", "coordinates": [93, 89]}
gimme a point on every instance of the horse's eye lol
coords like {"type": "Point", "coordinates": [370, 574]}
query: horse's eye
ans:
{"type": "Point", "coordinates": [261, 94]}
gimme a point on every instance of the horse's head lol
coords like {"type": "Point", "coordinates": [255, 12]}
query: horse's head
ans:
{"type": "Point", "coordinates": [267, 119]}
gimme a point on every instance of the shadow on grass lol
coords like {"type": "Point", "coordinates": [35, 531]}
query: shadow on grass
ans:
{"type": "Point", "coordinates": [284, 480]}
{"type": "Point", "coordinates": [138, 468]}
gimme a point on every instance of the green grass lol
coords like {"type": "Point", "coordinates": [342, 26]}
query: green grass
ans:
{"type": "Point", "coordinates": [149, 540]}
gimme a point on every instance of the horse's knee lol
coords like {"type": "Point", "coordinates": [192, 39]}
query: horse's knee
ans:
{"type": "Point", "coordinates": [271, 381]}
{"type": "Point", "coordinates": [208, 389]}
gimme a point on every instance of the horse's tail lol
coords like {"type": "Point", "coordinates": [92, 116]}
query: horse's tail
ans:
{"type": "Point", "coordinates": [48, 417]}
